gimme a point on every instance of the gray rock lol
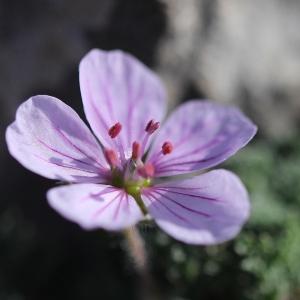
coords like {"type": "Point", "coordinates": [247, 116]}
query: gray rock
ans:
{"type": "Point", "coordinates": [242, 52]}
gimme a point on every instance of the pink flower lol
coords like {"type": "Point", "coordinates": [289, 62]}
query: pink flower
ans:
{"type": "Point", "coordinates": [131, 173]}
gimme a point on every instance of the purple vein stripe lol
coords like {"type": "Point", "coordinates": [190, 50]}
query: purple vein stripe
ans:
{"type": "Point", "coordinates": [201, 148]}
{"type": "Point", "coordinates": [168, 209]}
{"type": "Point", "coordinates": [99, 116]}
{"type": "Point", "coordinates": [118, 207]}
{"type": "Point", "coordinates": [105, 85]}
{"type": "Point", "coordinates": [127, 202]}
{"type": "Point", "coordinates": [102, 209]}
{"type": "Point", "coordinates": [181, 187]}
{"type": "Point", "coordinates": [95, 196]}
{"type": "Point", "coordinates": [153, 202]}
{"type": "Point", "coordinates": [76, 147]}
{"type": "Point", "coordinates": [166, 166]}
{"type": "Point", "coordinates": [128, 122]}
{"type": "Point", "coordinates": [63, 166]}
{"type": "Point", "coordinates": [186, 194]}
{"type": "Point", "coordinates": [64, 154]}
{"type": "Point", "coordinates": [187, 138]}
{"type": "Point", "coordinates": [201, 213]}
{"type": "Point", "coordinates": [132, 101]}
{"type": "Point", "coordinates": [139, 95]}
{"type": "Point", "coordinates": [94, 108]}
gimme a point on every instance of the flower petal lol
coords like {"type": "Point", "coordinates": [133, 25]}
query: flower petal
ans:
{"type": "Point", "coordinates": [203, 134]}
{"type": "Point", "coordinates": [95, 206]}
{"type": "Point", "coordinates": [207, 209]}
{"type": "Point", "coordinates": [116, 87]}
{"type": "Point", "coordinates": [50, 139]}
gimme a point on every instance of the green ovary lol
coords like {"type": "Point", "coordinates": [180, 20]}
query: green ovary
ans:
{"type": "Point", "coordinates": [134, 188]}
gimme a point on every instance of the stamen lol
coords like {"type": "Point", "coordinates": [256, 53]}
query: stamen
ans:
{"type": "Point", "coordinates": [111, 157]}
{"type": "Point", "coordinates": [136, 150]}
{"type": "Point", "coordinates": [167, 148]}
{"type": "Point", "coordinates": [115, 130]}
{"type": "Point", "coordinates": [149, 129]}
{"type": "Point", "coordinates": [147, 170]}
{"type": "Point", "coordinates": [152, 126]}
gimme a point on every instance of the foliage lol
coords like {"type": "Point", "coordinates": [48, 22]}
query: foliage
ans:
{"type": "Point", "coordinates": [263, 262]}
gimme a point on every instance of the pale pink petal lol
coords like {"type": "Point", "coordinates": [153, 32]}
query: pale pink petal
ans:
{"type": "Point", "coordinates": [95, 206]}
{"type": "Point", "coordinates": [203, 134]}
{"type": "Point", "coordinates": [116, 87]}
{"type": "Point", "coordinates": [207, 209]}
{"type": "Point", "coordinates": [50, 139]}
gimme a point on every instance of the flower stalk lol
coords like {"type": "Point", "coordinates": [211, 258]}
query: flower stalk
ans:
{"type": "Point", "coordinates": [137, 252]}
{"type": "Point", "coordinates": [136, 249]}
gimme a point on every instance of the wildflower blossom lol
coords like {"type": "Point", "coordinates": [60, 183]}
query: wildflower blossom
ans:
{"type": "Point", "coordinates": [116, 183]}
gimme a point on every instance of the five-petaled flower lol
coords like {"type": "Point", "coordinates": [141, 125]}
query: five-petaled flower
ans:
{"type": "Point", "coordinates": [129, 173]}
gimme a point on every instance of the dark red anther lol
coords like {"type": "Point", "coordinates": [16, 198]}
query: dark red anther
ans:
{"type": "Point", "coordinates": [167, 148]}
{"type": "Point", "coordinates": [147, 170]}
{"type": "Point", "coordinates": [152, 126]}
{"type": "Point", "coordinates": [136, 150]}
{"type": "Point", "coordinates": [115, 130]}
{"type": "Point", "coordinates": [111, 157]}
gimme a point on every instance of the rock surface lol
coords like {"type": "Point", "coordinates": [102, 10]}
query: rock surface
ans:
{"type": "Point", "coordinates": [242, 52]}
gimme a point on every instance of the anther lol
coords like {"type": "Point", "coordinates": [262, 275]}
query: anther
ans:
{"type": "Point", "coordinates": [136, 150]}
{"type": "Point", "coordinates": [167, 148]}
{"type": "Point", "coordinates": [147, 170]}
{"type": "Point", "coordinates": [115, 130]}
{"type": "Point", "coordinates": [111, 157]}
{"type": "Point", "coordinates": [152, 126]}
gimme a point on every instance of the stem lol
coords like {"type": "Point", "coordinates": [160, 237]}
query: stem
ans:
{"type": "Point", "coordinates": [137, 252]}
{"type": "Point", "coordinates": [138, 199]}
{"type": "Point", "coordinates": [136, 249]}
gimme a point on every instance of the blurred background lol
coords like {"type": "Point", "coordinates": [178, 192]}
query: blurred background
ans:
{"type": "Point", "coordinates": [235, 51]}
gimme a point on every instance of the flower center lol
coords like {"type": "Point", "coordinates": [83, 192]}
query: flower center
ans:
{"type": "Point", "coordinates": [131, 172]}
{"type": "Point", "coordinates": [131, 187]}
